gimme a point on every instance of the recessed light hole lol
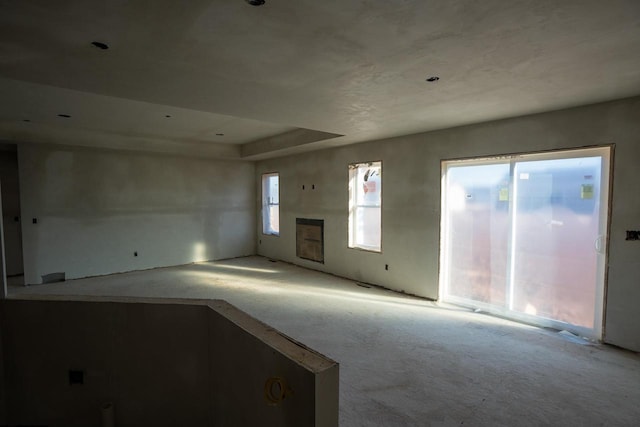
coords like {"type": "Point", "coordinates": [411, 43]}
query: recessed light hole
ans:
{"type": "Point", "coordinates": [255, 2]}
{"type": "Point", "coordinates": [66, 116]}
{"type": "Point", "coordinates": [168, 115]}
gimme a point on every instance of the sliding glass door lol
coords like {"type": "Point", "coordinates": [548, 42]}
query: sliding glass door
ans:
{"type": "Point", "coordinates": [524, 236]}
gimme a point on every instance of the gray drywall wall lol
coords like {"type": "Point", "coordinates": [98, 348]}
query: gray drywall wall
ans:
{"type": "Point", "coordinates": [411, 200]}
{"type": "Point", "coordinates": [95, 208]}
{"type": "Point", "coordinates": [162, 363]}
{"type": "Point", "coordinates": [148, 361]}
{"type": "Point", "coordinates": [243, 365]}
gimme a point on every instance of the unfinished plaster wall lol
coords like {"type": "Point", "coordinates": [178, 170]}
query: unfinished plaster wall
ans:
{"type": "Point", "coordinates": [95, 209]}
{"type": "Point", "coordinates": [160, 363]}
{"type": "Point", "coordinates": [411, 200]}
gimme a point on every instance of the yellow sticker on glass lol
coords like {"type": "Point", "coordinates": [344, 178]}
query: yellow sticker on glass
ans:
{"type": "Point", "coordinates": [504, 194]}
{"type": "Point", "coordinates": [586, 192]}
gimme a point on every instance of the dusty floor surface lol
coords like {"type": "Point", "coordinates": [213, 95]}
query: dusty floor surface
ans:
{"type": "Point", "coordinates": [405, 361]}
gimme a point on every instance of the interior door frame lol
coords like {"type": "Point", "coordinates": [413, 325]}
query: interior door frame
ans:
{"type": "Point", "coordinates": [3, 269]}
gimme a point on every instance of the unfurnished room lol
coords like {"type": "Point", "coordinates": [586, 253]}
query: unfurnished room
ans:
{"type": "Point", "coordinates": [320, 213]}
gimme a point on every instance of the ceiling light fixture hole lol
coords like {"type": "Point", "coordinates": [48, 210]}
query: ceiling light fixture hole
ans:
{"type": "Point", "coordinates": [100, 45]}
{"type": "Point", "coordinates": [167, 116]}
{"type": "Point", "coordinates": [66, 116]}
{"type": "Point", "coordinates": [433, 79]}
{"type": "Point", "coordinates": [255, 2]}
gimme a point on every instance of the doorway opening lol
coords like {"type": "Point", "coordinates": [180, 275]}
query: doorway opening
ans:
{"type": "Point", "coordinates": [524, 236]}
{"type": "Point", "coordinates": [11, 215]}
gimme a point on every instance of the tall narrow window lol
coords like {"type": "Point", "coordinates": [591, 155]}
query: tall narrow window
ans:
{"type": "Point", "coordinates": [365, 205]}
{"type": "Point", "coordinates": [270, 204]}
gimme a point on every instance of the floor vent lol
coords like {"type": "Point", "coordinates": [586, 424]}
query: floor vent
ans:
{"type": "Point", "coordinates": [53, 277]}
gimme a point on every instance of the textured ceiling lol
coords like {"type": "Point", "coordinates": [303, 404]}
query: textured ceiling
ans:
{"type": "Point", "coordinates": [300, 75]}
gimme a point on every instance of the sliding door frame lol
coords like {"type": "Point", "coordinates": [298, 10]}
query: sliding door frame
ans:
{"type": "Point", "coordinates": [606, 152]}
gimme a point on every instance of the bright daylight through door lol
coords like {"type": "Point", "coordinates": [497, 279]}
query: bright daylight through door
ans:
{"type": "Point", "coordinates": [525, 237]}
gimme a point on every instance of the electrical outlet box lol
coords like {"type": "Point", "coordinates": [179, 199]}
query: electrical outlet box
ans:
{"type": "Point", "coordinates": [633, 235]}
{"type": "Point", "coordinates": [76, 377]}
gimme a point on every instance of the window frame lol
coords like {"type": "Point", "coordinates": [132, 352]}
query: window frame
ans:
{"type": "Point", "coordinates": [355, 206]}
{"type": "Point", "coordinates": [606, 152]}
{"type": "Point", "coordinates": [267, 226]}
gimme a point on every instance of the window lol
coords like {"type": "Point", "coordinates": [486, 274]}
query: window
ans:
{"type": "Point", "coordinates": [365, 205]}
{"type": "Point", "coordinates": [525, 237]}
{"type": "Point", "coordinates": [270, 204]}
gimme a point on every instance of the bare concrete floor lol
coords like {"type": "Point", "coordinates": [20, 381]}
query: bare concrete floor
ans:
{"type": "Point", "coordinates": [405, 361]}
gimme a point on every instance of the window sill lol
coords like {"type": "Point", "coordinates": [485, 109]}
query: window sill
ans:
{"type": "Point", "coordinates": [365, 249]}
